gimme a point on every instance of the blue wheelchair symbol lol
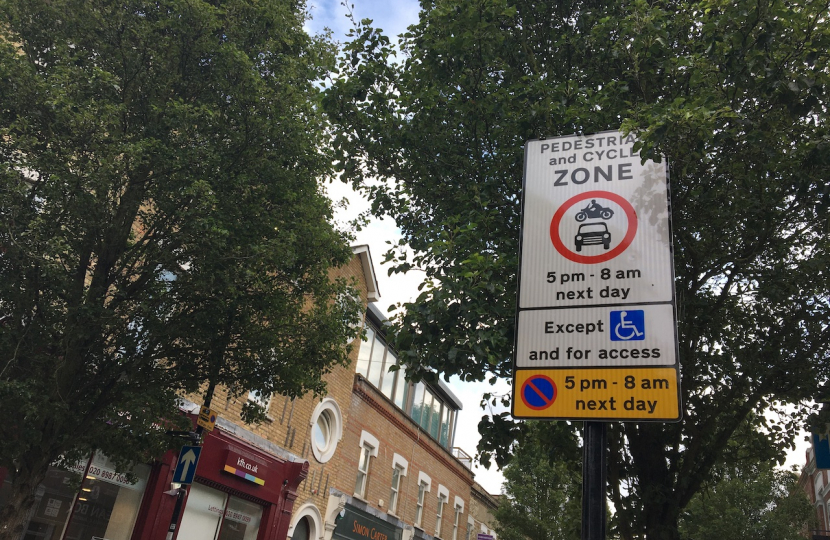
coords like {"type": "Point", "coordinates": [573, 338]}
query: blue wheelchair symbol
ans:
{"type": "Point", "coordinates": [629, 325]}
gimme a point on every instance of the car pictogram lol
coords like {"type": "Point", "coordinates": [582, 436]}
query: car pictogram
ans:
{"type": "Point", "coordinates": [592, 234]}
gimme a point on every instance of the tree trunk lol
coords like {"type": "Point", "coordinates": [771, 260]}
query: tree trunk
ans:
{"type": "Point", "coordinates": [15, 514]}
{"type": "Point", "coordinates": [661, 520]}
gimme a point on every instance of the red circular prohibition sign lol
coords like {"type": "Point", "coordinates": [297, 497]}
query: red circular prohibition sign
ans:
{"type": "Point", "coordinates": [630, 213]}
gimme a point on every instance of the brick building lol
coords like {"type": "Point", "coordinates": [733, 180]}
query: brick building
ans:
{"type": "Point", "coordinates": [815, 481]}
{"type": "Point", "coordinates": [373, 459]}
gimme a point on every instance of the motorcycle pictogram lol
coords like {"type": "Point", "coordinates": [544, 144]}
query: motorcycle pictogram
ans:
{"type": "Point", "coordinates": [594, 210]}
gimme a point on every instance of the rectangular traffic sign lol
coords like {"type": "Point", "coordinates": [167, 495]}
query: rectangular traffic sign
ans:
{"type": "Point", "coordinates": [207, 418]}
{"type": "Point", "coordinates": [595, 225]}
{"type": "Point", "coordinates": [596, 277]}
{"type": "Point", "coordinates": [598, 394]}
{"type": "Point", "coordinates": [186, 464]}
{"type": "Point", "coordinates": [632, 335]}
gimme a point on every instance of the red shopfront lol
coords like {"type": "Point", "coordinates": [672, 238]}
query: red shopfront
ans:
{"type": "Point", "coordinates": [240, 493]}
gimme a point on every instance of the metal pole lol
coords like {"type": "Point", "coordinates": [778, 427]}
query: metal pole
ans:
{"type": "Point", "coordinates": [177, 510]}
{"type": "Point", "coordinates": [195, 437]}
{"type": "Point", "coordinates": [593, 481]}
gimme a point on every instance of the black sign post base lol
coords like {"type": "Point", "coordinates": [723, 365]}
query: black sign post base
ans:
{"type": "Point", "coordinates": [593, 481]}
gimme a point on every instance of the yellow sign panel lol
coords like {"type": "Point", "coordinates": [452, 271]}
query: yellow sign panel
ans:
{"type": "Point", "coordinates": [207, 418]}
{"type": "Point", "coordinates": [597, 394]}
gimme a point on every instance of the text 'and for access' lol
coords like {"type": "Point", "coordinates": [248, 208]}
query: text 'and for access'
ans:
{"type": "Point", "coordinates": [624, 325]}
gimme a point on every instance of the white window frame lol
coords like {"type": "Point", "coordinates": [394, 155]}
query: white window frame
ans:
{"type": "Point", "coordinates": [330, 411]}
{"type": "Point", "coordinates": [368, 449]}
{"type": "Point", "coordinates": [443, 498]}
{"type": "Point", "coordinates": [424, 486]}
{"type": "Point", "coordinates": [401, 465]}
{"type": "Point", "coordinates": [459, 509]}
{"type": "Point", "coordinates": [471, 525]}
{"type": "Point", "coordinates": [439, 514]}
{"type": "Point", "coordinates": [394, 491]}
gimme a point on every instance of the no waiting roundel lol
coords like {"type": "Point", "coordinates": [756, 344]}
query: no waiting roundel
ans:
{"type": "Point", "coordinates": [539, 392]}
{"type": "Point", "coordinates": [593, 227]}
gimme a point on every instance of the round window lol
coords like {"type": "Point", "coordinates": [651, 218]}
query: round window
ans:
{"type": "Point", "coordinates": [326, 429]}
{"type": "Point", "coordinates": [322, 431]}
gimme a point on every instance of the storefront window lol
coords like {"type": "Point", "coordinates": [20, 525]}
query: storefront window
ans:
{"type": "Point", "coordinates": [106, 506]}
{"type": "Point", "coordinates": [241, 520]}
{"type": "Point", "coordinates": [210, 514]}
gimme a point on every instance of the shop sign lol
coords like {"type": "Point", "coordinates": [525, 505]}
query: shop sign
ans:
{"type": "Point", "coordinates": [102, 468]}
{"type": "Point", "coordinates": [358, 525]}
{"type": "Point", "coordinates": [245, 467]}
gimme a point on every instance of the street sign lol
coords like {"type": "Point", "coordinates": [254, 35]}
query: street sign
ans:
{"type": "Point", "coordinates": [207, 418]}
{"type": "Point", "coordinates": [821, 447]}
{"type": "Point", "coordinates": [483, 536]}
{"type": "Point", "coordinates": [186, 465]}
{"type": "Point", "coordinates": [596, 283]}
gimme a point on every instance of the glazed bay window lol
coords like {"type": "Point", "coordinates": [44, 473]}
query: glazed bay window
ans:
{"type": "Point", "coordinates": [432, 414]}
{"type": "Point", "coordinates": [374, 362]}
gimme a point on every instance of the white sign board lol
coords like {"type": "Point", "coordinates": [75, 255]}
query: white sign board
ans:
{"type": "Point", "coordinates": [633, 335]}
{"type": "Point", "coordinates": [596, 283]}
{"type": "Point", "coordinates": [606, 217]}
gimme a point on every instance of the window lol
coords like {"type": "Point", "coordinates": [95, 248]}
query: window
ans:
{"type": "Point", "coordinates": [211, 513]}
{"type": "Point", "coordinates": [399, 467]}
{"type": "Point", "coordinates": [442, 500]}
{"type": "Point", "coordinates": [363, 471]}
{"type": "Point", "coordinates": [106, 505]}
{"type": "Point", "coordinates": [374, 361]}
{"type": "Point", "coordinates": [368, 449]}
{"type": "Point", "coordinates": [262, 400]}
{"type": "Point", "coordinates": [326, 429]}
{"type": "Point", "coordinates": [459, 509]}
{"type": "Point", "coordinates": [470, 526]}
{"type": "Point", "coordinates": [419, 506]}
{"type": "Point", "coordinates": [397, 472]}
{"type": "Point", "coordinates": [432, 414]}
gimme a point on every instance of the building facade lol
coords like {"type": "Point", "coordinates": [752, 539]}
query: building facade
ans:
{"type": "Point", "coordinates": [815, 482]}
{"type": "Point", "coordinates": [373, 459]}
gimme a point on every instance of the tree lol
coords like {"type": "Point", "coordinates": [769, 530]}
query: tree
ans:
{"type": "Point", "coordinates": [163, 226]}
{"type": "Point", "coordinates": [542, 495]}
{"type": "Point", "coordinates": [732, 94]}
{"type": "Point", "coordinates": [757, 502]}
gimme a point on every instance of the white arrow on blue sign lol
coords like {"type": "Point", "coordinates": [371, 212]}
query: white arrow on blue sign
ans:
{"type": "Point", "coordinates": [186, 466]}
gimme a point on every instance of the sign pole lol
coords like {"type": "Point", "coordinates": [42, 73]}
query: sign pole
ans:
{"type": "Point", "coordinates": [593, 481]}
{"type": "Point", "coordinates": [196, 438]}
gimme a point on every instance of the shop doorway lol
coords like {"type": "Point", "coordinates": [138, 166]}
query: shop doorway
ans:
{"type": "Point", "coordinates": [211, 514]}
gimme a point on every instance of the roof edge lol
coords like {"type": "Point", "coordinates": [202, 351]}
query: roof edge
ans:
{"type": "Point", "coordinates": [372, 289]}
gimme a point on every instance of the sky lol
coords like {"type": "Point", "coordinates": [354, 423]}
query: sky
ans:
{"type": "Point", "coordinates": [394, 16]}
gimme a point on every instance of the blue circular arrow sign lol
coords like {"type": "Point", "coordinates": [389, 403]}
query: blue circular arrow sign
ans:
{"type": "Point", "coordinates": [539, 392]}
